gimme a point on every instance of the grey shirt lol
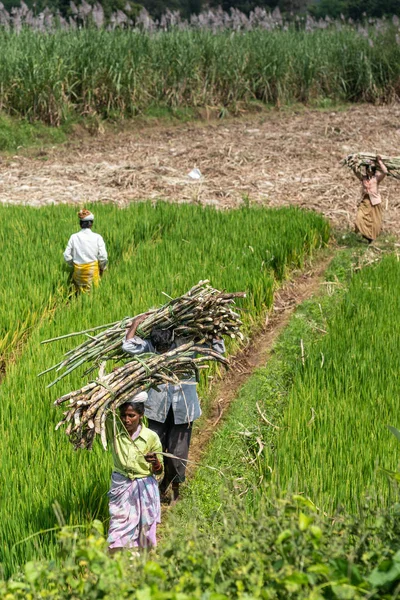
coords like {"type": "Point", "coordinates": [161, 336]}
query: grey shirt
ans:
{"type": "Point", "coordinates": [182, 397]}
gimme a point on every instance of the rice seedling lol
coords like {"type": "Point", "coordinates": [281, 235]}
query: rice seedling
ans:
{"type": "Point", "coordinates": [334, 436]}
{"type": "Point", "coordinates": [156, 248]}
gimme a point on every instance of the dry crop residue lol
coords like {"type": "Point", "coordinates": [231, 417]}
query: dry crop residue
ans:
{"type": "Point", "coordinates": [276, 158]}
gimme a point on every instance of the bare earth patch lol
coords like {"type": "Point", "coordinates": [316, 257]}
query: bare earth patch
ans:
{"type": "Point", "coordinates": [275, 159]}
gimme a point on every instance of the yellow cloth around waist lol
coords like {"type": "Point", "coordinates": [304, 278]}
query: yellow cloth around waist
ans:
{"type": "Point", "coordinates": [85, 275]}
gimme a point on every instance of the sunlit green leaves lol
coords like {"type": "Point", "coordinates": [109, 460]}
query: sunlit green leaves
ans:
{"type": "Point", "coordinates": [153, 248]}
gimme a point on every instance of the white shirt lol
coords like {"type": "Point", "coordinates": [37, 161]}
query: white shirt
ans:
{"type": "Point", "coordinates": [86, 247]}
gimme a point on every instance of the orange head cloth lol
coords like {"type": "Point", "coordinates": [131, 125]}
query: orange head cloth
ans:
{"type": "Point", "coordinates": [85, 215]}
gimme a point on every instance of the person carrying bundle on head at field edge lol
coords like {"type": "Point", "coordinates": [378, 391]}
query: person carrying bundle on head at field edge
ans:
{"type": "Point", "coordinates": [134, 497]}
{"type": "Point", "coordinates": [370, 211]}
{"type": "Point", "coordinates": [86, 253]}
{"type": "Point", "coordinates": [171, 410]}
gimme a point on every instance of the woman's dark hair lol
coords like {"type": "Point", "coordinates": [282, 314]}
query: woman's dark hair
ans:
{"type": "Point", "coordinates": [138, 407]}
{"type": "Point", "coordinates": [85, 224]}
{"type": "Point", "coordinates": [161, 338]}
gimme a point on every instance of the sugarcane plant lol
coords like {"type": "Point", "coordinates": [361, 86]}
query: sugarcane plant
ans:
{"type": "Point", "coordinates": [202, 313]}
{"type": "Point", "coordinates": [365, 159]}
{"type": "Point", "coordinates": [90, 405]}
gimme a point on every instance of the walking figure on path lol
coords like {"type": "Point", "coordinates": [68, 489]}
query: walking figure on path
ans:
{"type": "Point", "coordinates": [138, 467]}
{"type": "Point", "coordinates": [370, 212]}
{"type": "Point", "coordinates": [86, 253]}
{"type": "Point", "coordinates": [171, 410]}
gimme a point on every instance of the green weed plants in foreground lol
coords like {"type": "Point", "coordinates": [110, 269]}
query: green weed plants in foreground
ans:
{"type": "Point", "coordinates": [154, 248]}
{"type": "Point", "coordinates": [121, 73]}
{"type": "Point", "coordinates": [284, 550]}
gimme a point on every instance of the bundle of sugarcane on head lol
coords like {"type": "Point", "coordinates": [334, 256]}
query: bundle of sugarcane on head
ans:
{"type": "Point", "coordinates": [174, 342]}
{"type": "Point", "coordinates": [202, 313]}
{"type": "Point", "coordinates": [365, 160]}
{"type": "Point", "coordinates": [90, 406]}
{"type": "Point", "coordinates": [371, 169]}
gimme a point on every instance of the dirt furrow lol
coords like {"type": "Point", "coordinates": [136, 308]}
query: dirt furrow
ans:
{"type": "Point", "coordinates": [301, 286]}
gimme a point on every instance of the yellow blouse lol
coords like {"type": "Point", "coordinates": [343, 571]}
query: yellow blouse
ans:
{"type": "Point", "coordinates": [128, 454]}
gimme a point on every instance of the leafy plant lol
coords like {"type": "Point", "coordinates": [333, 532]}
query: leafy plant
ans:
{"type": "Point", "coordinates": [283, 550]}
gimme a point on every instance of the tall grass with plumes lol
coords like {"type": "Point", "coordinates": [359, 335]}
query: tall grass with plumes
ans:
{"type": "Point", "coordinates": [122, 73]}
{"type": "Point", "coordinates": [334, 436]}
{"type": "Point", "coordinates": [170, 247]}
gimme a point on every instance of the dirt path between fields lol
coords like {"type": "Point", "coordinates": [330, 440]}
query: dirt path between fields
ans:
{"type": "Point", "coordinates": [275, 158]}
{"type": "Point", "coordinates": [301, 287]}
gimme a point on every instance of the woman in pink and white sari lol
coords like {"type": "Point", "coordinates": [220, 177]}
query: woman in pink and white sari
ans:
{"type": "Point", "coordinates": [138, 468]}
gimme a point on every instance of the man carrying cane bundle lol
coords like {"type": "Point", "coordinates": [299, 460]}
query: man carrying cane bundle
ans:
{"type": "Point", "coordinates": [171, 410]}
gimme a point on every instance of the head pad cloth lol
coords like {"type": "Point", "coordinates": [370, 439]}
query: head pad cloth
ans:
{"type": "Point", "coordinates": [142, 397]}
{"type": "Point", "coordinates": [138, 399]}
{"type": "Point", "coordinates": [85, 215]}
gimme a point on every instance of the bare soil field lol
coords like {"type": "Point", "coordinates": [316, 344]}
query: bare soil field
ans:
{"type": "Point", "coordinates": [275, 158]}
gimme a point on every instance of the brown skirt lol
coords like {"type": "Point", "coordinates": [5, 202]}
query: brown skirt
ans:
{"type": "Point", "coordinates": [369, 219]}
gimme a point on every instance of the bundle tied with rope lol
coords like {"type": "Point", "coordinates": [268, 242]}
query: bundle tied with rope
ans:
{"type": "Point", "coordinates": [364, 159]}
{"type": "Point", "coordinates": [203, 313]}
{"type": "Point", "coordinates": [198, 317]}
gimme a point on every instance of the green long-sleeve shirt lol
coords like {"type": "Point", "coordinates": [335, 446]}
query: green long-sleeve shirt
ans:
{"type": "Point", "coordinates": [128, 454]}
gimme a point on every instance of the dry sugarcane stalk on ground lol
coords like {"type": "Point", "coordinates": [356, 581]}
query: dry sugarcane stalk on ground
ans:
{"type": "Point", "coordinates": [202, 313]}
{"type": "Point", "coordinates": [89, 406]}
{"type": "Point", "coordinates": [364, 159]}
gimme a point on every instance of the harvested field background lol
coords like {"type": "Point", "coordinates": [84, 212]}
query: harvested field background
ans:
{"type": "Point", "coordinates": [277, 158]}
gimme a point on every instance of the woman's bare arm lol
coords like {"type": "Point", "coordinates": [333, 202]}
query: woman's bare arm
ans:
{"type": "Point", "coordinates": [382, 168]}
{"type": "Point", "coordinates": [135, 324]}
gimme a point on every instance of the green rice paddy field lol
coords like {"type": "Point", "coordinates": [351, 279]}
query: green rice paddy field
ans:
{"type": "Point", "coordinates": [152, 249]}
{"type": "Point", "coordinates": [296, 503]}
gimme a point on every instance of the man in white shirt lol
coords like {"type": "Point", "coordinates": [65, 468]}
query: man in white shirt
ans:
{"type": "Point", "coordinates": [86, 253]}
